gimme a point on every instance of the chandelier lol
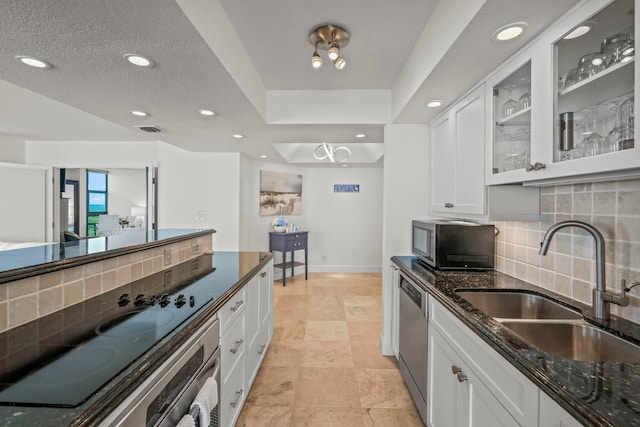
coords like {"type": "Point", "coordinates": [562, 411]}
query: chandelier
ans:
{"type": "Point", "coordinates": [331, 38]}
{"type": "Point", "coordinates": [326, 151]}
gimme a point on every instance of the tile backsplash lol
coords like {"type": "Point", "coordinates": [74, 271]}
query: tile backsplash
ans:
{"type": "Point", "coordinates": [569, 266]}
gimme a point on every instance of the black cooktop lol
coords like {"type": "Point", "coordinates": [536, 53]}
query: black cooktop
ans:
{"type": "Point", "coordinates": [62, 359]}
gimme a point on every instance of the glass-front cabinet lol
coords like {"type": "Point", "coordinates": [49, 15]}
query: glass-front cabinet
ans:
{"type": "Point", "coordinates": [578, 115]}
{"type": "Point", "coordinates": [511, 121]}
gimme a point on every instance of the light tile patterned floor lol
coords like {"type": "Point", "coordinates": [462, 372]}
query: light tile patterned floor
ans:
{"type": "Point", "coordinates": [324, 367]}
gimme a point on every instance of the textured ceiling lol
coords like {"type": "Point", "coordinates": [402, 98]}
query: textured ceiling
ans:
{"type": "Point", "coordinates": [88, 92]}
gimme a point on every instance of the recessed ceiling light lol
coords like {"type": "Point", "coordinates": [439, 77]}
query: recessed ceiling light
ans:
{"type": "Point", "coordinates": [435, 103]}
{"type": "Point", "coordinates": [509, 31]}
{"type": "Point", "coordinates": [262, 156]}
{"type": "Point", "coordinates": [138, 60]}
{"type": "Point", "coordinates": [33, 62]}
{"type": "Point", "coordinates": [238, 135]}
{"type": "Point", "coordinates": [207, 112]}
{"type": "Point", "coordinates": [138, 113]}
{"type": "Point", "coordinates": [360, 135]}
{"type": "Point", "coordinates": [579, 31]}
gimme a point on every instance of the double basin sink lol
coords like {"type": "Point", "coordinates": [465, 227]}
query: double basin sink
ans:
{"type": "Point", "coordinates": [551, 327]}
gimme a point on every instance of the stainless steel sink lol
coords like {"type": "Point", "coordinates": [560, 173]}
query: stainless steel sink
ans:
{"type": "Point", "coordinates": [576, 341]}
{"type": "Point", "coordinates": [517, 305]}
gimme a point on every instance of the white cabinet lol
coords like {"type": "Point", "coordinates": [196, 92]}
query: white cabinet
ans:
{"type": "Point", "coordinates": [395, 310]}
{"type": "Point", "coordinates": [246, 328]}
{"type": "Point", "coordinates": [470, 384]}
{"type": "Point", "coordinates": [457, 397]}
{"type": "Point", "coordinates": [552, 415]}
{"type": "Point", "coordinates": [457, 185]}
{"type": "Point", "coordinates": [577, 100]}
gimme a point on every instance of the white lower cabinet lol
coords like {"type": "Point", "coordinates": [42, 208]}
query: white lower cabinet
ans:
{"type": "Point", "coordinates": [470, 384]}
{"type": "Point", "coordinates": [552, 415]}
{"type": "Point", "coordinates": [245, 333]}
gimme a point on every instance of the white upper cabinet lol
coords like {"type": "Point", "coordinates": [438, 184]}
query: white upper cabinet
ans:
{"type": "Point", "coordinates": [579, 124]}
{"type": "Point", "coordinates": [457, 185]}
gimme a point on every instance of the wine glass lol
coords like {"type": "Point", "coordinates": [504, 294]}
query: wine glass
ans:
{"type": "Point", "coordinates": [511, 106]}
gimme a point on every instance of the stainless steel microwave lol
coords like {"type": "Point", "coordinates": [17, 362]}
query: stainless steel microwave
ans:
{"type": "Point", "coordinates": [454, 245]}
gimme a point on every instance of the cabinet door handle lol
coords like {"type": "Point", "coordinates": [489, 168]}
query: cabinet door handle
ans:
{"type": "Point", "coordinates": [263, 274]}
{"type": "Point", "coordinates": [262, 348]}
{"type": "Point", "coordinates": [235, 349]}
{"type": "Point", "coordinates": [461, 377]}
{"type": "Point", "coordinates": [455, 369]}
{"type": "Point", "coordinates": [448, 205]}
{"type": "Point", "coordinates": [237, 399]}
{"type": "Point", "coordinates": [535, 167]}
{"type": "Point", "coordinates": [237, 306]}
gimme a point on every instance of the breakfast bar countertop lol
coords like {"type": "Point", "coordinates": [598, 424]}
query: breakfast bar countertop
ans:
{"type": "Point", "coordinates": [595, 393]}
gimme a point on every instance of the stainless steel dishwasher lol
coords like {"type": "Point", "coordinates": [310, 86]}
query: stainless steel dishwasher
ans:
{"type": "Point", "coordinates": [413, 342]}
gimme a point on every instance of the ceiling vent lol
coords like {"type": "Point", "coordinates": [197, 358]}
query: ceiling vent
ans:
{"type": "Point", "coordinates": [149, 128]}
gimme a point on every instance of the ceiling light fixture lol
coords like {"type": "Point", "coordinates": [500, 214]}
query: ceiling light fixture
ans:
{"type": "Point", "coordinates": [238, 135]}
{"type": "Point", "coordinates": [263, 156]}
{"type": "Point", "coordinates": [138, 60]}
{"type": "Point", "coordinates": [138, 113]}
{"type": "Point", "coordinates": [435, 103]}
{"type": "Point", "coordinates": [207, 112]}
{"type": "Point", "coordinates": [33, 62]}
{"type": "Point", "coordinates": [360, 135]}
{"type": "Point", "coordinates": [510, 31]}
{"type": "Point", "coordinates": [326, 151]}
{"type": "Point", "coordinates": [331, 38]}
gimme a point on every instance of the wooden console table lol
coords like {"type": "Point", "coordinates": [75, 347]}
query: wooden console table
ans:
{"type": "Point", "coordinates": [289, 242]}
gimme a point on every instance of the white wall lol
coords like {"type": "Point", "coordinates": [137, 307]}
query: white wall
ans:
{"type": "Point", "coordinates": [406, 195]}
{"type": "Point", "coordinates": [190, 183]}
{"type": "Point", "coordinates": [345, 228]}
{"type": "Point", "coordinates": [127, 188]}
{"type": "Point", "coordinates": [12, 149]}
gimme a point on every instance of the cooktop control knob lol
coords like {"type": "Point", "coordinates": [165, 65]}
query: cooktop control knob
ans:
{"type": "Point", "coordinates": [181, 300]}
{"type": "Point", "coordinates": [140, 300]}
{"type": "Point", "coordinates": [123, 300]}
{"type": "Point", "coordinates": [164, 300]}
{"type": "Point", "coordinates": [192, 301]}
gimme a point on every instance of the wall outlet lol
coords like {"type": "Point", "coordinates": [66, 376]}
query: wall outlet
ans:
{"type": "Point", "coordinates": [201, 215]}
{"type": "Point", "coordinates": [167, 257]}
{"type": "Point", "coordinates": [195, 247]}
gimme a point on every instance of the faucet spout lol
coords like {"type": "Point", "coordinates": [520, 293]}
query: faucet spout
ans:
{"type": "Point", "coordinates": [601, 298]}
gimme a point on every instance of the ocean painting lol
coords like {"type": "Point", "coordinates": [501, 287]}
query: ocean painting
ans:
{"type": "Point", "coordinates": [280, 193]}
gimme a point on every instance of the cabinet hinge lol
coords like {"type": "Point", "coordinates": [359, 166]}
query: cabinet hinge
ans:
{"type": "Point", "coordinates": [496, 91]}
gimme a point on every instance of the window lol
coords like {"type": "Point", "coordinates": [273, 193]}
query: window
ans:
{"type": "Point", "coordinates": [97, 199]}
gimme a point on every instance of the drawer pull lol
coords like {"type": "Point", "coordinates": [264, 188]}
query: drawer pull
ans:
{"type": "Point", "coordinates": [262, 348]}
{"type": "Point", "coordinates": [263, 274]}
{"type": "Point", "coordinates": [237, 306]}
{"type": "Point", "coordinates": [237, 399]}
{"type": "Point", "coordinates": [235, 349]}
{"type": "Point", "coordinates": [448, 205]}
{"type": "Point", "coordinates": [456, 370]}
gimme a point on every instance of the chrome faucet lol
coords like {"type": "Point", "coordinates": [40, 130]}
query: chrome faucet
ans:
{"type": "Point", "coordinates": [601, 298]}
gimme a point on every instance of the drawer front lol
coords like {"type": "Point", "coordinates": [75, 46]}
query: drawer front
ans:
{"type": "Point", "coordinates": [295, 242]}
{"type": "Point", "coordinates": [232, 348]}
{"type": "Point", "coordinates": [232, 309]}
{"type": "Point", "coordinates": [256, 353]}
{"type": "Point", "coordinates": [232, 397]}
{"type": "Point", "coordinates": [504, 381]}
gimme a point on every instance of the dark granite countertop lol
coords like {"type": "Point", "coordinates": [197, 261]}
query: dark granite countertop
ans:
{"type": "Point", "coordinates": [595, 393]}
{"type": "Point", "coordinates": [230, 271]}
{"type": "Point", "coordinates": [21, 263]}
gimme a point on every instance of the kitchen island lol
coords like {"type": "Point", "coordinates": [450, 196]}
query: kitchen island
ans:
{"type": "Point", "coordinates": [594, 393]}
{"type": "Point", "coordinates": [209, 281]}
